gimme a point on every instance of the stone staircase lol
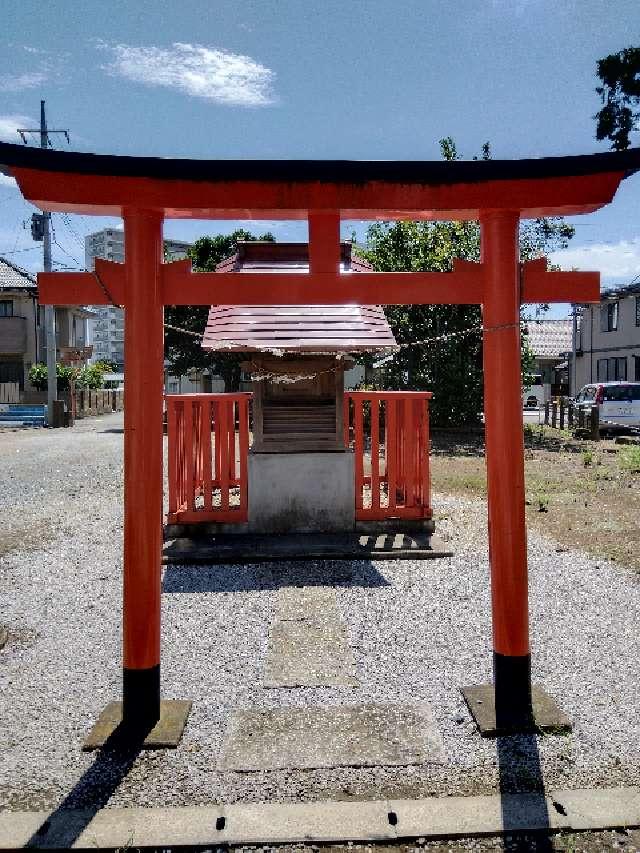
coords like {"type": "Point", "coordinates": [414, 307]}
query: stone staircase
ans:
{"type": "Point", "coordinates": [21, 415]}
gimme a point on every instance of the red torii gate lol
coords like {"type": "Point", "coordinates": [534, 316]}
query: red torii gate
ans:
{"type": "Point", "coordinates": [146, 190]}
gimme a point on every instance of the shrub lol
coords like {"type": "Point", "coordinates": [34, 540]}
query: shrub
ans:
{"type": "Point", "coordinates": [629, 459]}
{"type": "Point", "coordinates": [38, 376]}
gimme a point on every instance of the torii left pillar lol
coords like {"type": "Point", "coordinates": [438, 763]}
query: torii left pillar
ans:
{"type": "Point", "coordinates": [142, 716]}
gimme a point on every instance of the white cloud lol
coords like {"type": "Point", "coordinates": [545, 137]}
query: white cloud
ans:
{"type": "Point", "coordinates": [199, 71]}
{"type": "Point", "coordinates": [612, 260]}
{"type": "Point", "coordinates": [9, 124]}
{"type": "Point", "coordinates": [7, 181]}
{"type": "Point", "coordinates": [18, 82]}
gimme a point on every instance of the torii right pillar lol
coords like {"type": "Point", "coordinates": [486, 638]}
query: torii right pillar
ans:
{"type": "Point", "coordinates": [511, 704]}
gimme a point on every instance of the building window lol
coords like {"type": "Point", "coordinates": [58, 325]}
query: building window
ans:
{"type": "Point", "coordinates": [6, 308]}
{"type": "Point", "coordinates": [609, 317]}
{"type": "Point", "coordinates": [612, 369]}
{"type": "Point", "coordinates": [636, 360]}
{"type": "Point", "coordinates": [637, 310]}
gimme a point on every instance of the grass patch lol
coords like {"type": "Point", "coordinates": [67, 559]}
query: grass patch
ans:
{"type": "Point", "coordinates": [581, 494]}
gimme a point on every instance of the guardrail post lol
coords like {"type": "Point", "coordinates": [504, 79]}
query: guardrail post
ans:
{"type": "Point", "coordinates": [562, 411]}
{"type": "Point", "coordinates": [546, 413]}
{"type": "Point", "coordinates": [554, 414]}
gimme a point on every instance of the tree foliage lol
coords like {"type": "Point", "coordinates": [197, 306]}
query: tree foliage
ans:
{"type": "Point", "coordinates": [184, 351]}
{"type": "Point", "coordinates": [450, 367]}
{"type": "Point", "coordinates": [620, 95]}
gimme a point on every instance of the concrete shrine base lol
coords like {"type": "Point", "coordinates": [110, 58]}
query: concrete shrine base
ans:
{"type": "Point", "coordinates": [242, 548]}
{"type": "Point", "coordinates": [301, 492]}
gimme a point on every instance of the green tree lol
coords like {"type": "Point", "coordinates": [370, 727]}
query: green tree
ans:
{"type": "Point", "coordinates": [183, 351]}
{"type": "Point", "coordinates": [450, 367]}
{"type": "Point", "coordinates": [620, 95]}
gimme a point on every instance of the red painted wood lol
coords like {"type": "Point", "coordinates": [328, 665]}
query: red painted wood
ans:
{"type": "Point", "coordinates": [206, 446]}
{"type": "Point", "coordinates": [358, 450]}
{"type": "Point", "coordinates": [324, 241]}
{"type": "Point", "coordinates": [504, 436]}
{"type": "Point", "coordinates": [465, 285]}
{"type": "Point", "coordinates": [143, 443]}
{"type": "Point", "coordinates": [243, 439]}
{"type": "Point", "coordinates": [375, 454]}
{"type": "Point", "coordinates": [391, 452]}
{"type": "Point", "coordinates": [189, 455]}
{"type": "Point", "coordinates": [540, 285]}
{"type": "Point", "coordinates": [172, 439]}
{"type": "Point", "coordinates": [406, 453]}
{"type": "Point", "coordinates": [108, 195]}
{"type": "Point", "coordinates": [198, 465]}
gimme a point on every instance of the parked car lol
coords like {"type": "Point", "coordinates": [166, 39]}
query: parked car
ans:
{"type": "Point", "coordinates": [618, 403]}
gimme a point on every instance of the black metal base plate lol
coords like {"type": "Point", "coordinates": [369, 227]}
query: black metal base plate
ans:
{"type": "Point", "coordinates": [165, 734]}
{"type": "Point", "coordinates": [547, 717]}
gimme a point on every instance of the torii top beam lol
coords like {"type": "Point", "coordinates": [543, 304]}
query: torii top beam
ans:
{"type": "Point", "coordinates": [288, 189]}
{"type": "Point", "coordinates": [324, 192]}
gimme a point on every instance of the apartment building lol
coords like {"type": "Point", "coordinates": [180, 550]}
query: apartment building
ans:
{"type": "Point", "coordinates": [107, 329]}
{"type": "Point", "coordinates": [23, 339]}
{"type": "Point", "coordinates": [608, 338]}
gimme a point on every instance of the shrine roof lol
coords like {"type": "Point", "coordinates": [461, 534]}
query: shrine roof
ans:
{"type": "Point", "coordinates": [289, 188]}
{"type": "Point", "coordinates": [294, 328]}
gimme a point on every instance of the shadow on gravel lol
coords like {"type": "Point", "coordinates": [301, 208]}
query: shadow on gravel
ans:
{"type": "Point", "coordinates": [91, 793]}
{"type": "Point", "coordinates": [519, 769]}
{"type": "Point", "coordinates": [254, 577]}
{"type": "Point", "coordinates": [119, 430]}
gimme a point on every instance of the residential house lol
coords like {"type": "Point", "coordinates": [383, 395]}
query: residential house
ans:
{"type": "Point", "coordinates": [23, 339]}
{"type": "Point", "coordinates": [608, 338]}
{"type": "Point", "coordinates": [549, 341]}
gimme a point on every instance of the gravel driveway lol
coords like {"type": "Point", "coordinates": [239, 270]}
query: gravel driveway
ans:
{"type": "Point", "coordinates": [419, 631]}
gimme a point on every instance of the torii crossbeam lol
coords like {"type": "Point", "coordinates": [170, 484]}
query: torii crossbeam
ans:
{"type": "Point", "coordinates": [144, 191]}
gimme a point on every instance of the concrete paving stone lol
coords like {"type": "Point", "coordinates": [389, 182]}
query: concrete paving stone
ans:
{"type": "Point", "coordinates": [16, 828]}
{"type": "Point", "coordinates": [547, 716]}
{"type": "Point", "coordinates": [600, 809]}
{"type": "Point", "coordinates": [309, 654]}
{"type": "Point", "coordinates": [166, 734]}
{"type": "Point", "coordinates": [310, 603]}
{"type": "Point", "coordinates": [485, 815]}
{"type": "Point", "coordinates": [339, 736]}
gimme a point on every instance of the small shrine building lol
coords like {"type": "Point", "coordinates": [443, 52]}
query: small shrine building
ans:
{"type": "Point", "coordinates": [301, 473]}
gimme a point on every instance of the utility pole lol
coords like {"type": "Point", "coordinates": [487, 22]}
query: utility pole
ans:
{"type": "Point", "coordinates": [573, 390]}
{"type": "Point", "coordinates": [41, 230]}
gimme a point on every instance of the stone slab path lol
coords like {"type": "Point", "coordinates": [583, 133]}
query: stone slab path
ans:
{"type": "Point", "coordinates": [308, 644]}
{"type": "Point", "coordinates": [343, 736]}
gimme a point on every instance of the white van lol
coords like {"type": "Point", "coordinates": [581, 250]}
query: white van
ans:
{"type": "Point", "coordinates": [618, 403]}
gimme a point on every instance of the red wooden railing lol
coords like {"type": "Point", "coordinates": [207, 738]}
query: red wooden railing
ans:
{"type": "Point", "coordinates": [208, 441]}
{"type": "Point", "coordinates": [389, 432]}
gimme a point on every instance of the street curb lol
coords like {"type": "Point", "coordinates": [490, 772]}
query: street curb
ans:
{"type": "Point", "coordinates": [325, 822]}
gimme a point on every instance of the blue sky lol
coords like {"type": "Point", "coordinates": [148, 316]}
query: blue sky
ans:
{"type": "Point", "coordinates": [361, 80]}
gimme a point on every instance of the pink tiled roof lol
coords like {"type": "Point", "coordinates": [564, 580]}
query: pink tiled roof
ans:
{"type": "Point", "coordinates": [294, 328]}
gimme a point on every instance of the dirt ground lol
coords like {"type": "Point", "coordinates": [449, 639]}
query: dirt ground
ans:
{"type": "Point", "coordinates": [579, 493]}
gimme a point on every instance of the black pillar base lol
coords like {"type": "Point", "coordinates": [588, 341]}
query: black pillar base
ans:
{"type": "Point", "coordinates": [141, 720]}
{"type": "Point", "coordinates": [511, 705]}
{"type": "Point", "coordinates": [141, 697]}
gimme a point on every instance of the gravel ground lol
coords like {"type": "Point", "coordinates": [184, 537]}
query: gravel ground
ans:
{"type": "Point", "coordinates": [419, 631]}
